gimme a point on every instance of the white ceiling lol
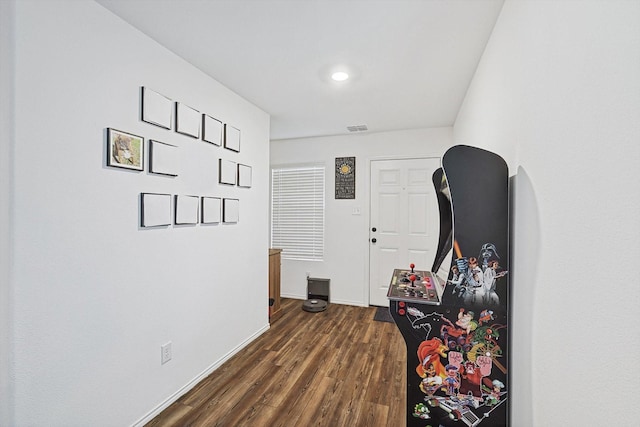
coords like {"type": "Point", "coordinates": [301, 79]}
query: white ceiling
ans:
{"type": "Point", "coordinates": [411, 61]}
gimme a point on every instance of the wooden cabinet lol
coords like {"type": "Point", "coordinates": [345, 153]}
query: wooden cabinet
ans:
{"type": "Point", "coordinates": [274, 284]}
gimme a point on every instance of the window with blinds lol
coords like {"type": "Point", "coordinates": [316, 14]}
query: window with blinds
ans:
{"type": "Point", "coordinates": [297, 211]}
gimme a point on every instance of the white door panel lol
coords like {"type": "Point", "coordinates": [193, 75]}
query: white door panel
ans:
{"type": "Point", "coordinates": [404, 213]}
{"type": "Point", "coordinates": [389, 212]}
{"type": "Point", "coordinates": [418, 223]}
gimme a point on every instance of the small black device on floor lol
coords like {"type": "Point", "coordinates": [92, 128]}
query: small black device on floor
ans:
{"type": "Point", "coordinates": [317, 295]}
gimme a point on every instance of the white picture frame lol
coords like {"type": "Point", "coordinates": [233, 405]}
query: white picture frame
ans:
{"type": "Point", "coordinates": [186, 209]}
{"type": "Point", "coordinates": [156, 108]}
{"type": "Point", "coordinates": [212, 130]}
{"type": "Point", "coordinates": [227, 172]}
{"type": "Point", "coordinates": [155, 210]}
{"type": "Point", "coordinates": [230, 210]}
{"type": "Point", "coordinates": [211, 210]}
{"type": "Point", "coordinates": [187, 120]}
{"type": "Point", "coordinates": [231, 138]}
{"type": "Point", "coordinates": [244, 175]}
{"type": "Point", "coordinates": [164, 159]}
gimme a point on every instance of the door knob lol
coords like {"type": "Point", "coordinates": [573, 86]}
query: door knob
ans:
{"type": "Point", "coordinates": [374, 229]}
{"type": "Point", "coordinates": [374, 240]}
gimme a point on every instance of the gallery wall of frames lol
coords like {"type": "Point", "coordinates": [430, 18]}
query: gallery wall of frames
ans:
{"type": "Point", "coordinates": [128, 151]}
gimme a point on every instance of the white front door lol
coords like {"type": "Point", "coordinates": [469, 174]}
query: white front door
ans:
{"type": "Point", "coordinates": [405, 220]}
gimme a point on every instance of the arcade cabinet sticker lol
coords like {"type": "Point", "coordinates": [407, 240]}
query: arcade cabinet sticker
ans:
{"type": "Point", "coordinates": [345, 177]}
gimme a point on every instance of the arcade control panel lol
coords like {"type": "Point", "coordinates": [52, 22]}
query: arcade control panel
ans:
{"type": "Point", "coordinates": [415, 286]}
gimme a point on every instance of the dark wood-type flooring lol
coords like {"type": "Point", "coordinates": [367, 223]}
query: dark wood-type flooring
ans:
{"type": "Point", "coordinates": [334, 368]}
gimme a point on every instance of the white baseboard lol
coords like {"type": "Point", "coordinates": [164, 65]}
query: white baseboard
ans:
{"type": "Point", "coordinates": [293, 296]}
{"type": "Point", "coordinates": [191, 384]}
{"type": "Point", "coordinates": [355, 303]}
{"type": "Point", "coordinates": [332, 301]}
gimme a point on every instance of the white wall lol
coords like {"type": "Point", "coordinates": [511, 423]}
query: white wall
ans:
{"type": "Point", "coordinates": [7, 14]}
{"type": "Point", "coordinates": [346, 252]}
{"type": "Point", "coordinates": [557, 92]}
{"type": "Point", "coordinates": [95, 296]}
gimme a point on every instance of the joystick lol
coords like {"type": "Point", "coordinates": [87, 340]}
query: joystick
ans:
{"type": "Point", "coordinates": [412, 266]}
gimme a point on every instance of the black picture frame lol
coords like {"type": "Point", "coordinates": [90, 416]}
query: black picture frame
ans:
{"type": "Point", "coordinates": [244, 175]}
{"type": "Point", "coordinates": [155, 210]}
{"type": "Point", "coordinates": [211, 210]}
{"type": "Point", "coordinates": [212, 130]}
{"type": "Point", "coordinates": [163, 158]}
{"type": "Point", "coordinates": [231, 138]}
{"type": "Point", "coordinates": [227, 172]}
{"type": "Point", "coordinates": [156, 108]}
{"type": "Point", "coordinates": [186, 209]}
{"type": "Point", "coordinates": [125, 150]}
{"type": "Point", "coordinates": [230, 211]}
{"type": "Point", "coordinates": [187, 120]}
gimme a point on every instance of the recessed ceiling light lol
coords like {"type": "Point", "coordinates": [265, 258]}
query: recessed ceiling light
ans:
{"type": "Point", "coordinates": [339, 76]}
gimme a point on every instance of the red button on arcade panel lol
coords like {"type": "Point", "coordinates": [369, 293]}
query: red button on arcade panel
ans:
{"type": "Point", "coordinates": [401, 310]}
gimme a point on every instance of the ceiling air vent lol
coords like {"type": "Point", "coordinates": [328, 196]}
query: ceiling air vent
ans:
{"type": "Point", "coordinates": [357, 128]}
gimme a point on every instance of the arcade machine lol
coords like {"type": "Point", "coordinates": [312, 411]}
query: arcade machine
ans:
{"type": "Point", "coordinates": [456, 327]}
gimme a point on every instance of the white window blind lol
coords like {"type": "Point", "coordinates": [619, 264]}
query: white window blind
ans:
{"type": "Point", "coordinates": [297, 211]}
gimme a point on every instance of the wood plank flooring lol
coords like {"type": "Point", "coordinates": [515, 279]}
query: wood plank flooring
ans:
{"type": "Point", "coordinates": [334, 368]}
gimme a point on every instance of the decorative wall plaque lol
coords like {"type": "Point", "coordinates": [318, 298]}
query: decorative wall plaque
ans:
{"type": "Point", "coordinates": [345, 177]}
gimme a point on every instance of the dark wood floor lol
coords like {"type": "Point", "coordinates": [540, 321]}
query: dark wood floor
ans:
{"type": "Point", "coordinates": [334, 368]}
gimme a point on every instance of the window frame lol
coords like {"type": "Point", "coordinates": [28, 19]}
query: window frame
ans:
{"type": "Point", "coordinates": [301, 235]}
